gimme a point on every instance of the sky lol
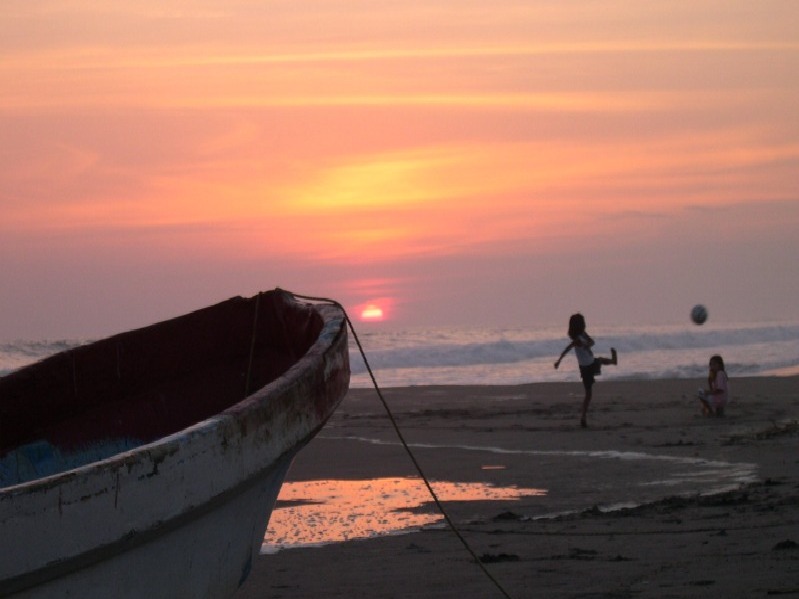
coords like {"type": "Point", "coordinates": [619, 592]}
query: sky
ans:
{"type": "Point", "coordinates": [439, 162]}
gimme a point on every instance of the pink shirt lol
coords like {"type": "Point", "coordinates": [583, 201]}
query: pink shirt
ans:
{"type": "Point", "coordinates": [720, 383]}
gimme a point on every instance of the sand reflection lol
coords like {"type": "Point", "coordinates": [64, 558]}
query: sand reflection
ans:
{"type": "Point", "coordinates": [318, 512]}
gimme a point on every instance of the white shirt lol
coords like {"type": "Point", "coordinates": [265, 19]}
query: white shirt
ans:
{"type": "Point", "coordinates": [585, 357]}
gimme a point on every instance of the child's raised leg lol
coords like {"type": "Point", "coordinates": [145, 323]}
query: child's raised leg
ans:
{"type": "Point", "coordinates": [613, 359]}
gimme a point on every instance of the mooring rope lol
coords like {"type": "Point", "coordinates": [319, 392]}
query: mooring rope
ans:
{"type": "Point", "coordinates": [408, 450]}
{"type": "Point", "coordinates": [252, 346]}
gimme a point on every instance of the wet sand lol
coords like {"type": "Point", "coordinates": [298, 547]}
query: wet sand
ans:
{"type": "Point", "coordinates": [716, 501]}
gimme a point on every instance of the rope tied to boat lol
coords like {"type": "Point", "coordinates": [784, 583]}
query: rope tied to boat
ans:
{"type": "Point", "coordinates": [405, 445]}
{"type": "Point", "coordinates": [252, 345]}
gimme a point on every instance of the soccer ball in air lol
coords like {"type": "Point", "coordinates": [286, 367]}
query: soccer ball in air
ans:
{"type": "Point", "coordinates": [699, 314]}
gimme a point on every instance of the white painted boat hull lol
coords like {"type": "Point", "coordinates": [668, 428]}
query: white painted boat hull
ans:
{"type": "Point", "coordinates": [183, 516]}
{"type": "Point", "coordinates": [210, 555]}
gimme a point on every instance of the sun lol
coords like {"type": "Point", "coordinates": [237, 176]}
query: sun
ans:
{"type": "Point", "coordinates": [372, 312]}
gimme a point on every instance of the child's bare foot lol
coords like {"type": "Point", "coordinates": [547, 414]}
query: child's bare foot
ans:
{"type": "Point", "coordinates": [614, 357]}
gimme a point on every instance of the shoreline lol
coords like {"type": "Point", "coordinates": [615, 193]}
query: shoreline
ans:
{"type": "Point", "coordinates": [741, 542]}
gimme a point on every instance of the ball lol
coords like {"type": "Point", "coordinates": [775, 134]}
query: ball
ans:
{"type": "Point", "coordinates": [699, 314]}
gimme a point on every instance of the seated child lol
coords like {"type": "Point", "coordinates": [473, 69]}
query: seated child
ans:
{"type": "Point", "coordinates": [716, 396]}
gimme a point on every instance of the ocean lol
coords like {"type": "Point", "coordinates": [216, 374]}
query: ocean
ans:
{"type": "Point", "coordinates": [506, 356]}
{"type": "Point", "coordinates": [511, 356]}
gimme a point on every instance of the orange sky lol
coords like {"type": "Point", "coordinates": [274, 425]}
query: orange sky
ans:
{"type": "Point", "coordinates": [612, 157]}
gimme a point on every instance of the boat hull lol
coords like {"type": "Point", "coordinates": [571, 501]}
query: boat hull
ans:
{"type": "Point", "coordinates": [181, 516]}
{"type": "Point", "coordinates": [204, 554]}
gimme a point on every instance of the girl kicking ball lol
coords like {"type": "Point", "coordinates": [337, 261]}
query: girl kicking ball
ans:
{"type": "Point", "coordinates": [589, 365]}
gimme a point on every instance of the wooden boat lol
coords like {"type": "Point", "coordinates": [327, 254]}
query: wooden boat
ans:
{"type": "Point", "coordinates": [147, 464]}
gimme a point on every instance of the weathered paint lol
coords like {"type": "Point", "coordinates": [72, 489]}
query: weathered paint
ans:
{"type": "Point", "coordinates": [182, 515]}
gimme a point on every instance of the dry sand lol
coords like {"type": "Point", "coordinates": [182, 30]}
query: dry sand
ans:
{"type": "Point", "coordinates": [742, 542]}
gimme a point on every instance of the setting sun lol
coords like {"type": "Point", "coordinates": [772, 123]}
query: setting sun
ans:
{"type": "Point", "coordinates": [372, 312]}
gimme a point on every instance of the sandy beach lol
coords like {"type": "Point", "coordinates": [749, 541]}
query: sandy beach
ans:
{"type": "Point", "coordinates": [652, 500]}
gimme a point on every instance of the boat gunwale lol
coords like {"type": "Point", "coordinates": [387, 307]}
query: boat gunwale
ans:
{"type": "Point", "coordinates": [335, 321]}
